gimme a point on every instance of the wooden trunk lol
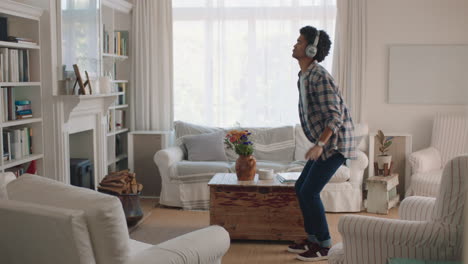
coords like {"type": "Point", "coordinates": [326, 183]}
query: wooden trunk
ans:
{"type": "Point", "coordinates": [257, 212]}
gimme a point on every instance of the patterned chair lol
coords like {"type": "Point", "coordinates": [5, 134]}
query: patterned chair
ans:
{"type": "Point", "coordinates": [430, 228]}
{"type": "Point", "coordinates": [449, 139]}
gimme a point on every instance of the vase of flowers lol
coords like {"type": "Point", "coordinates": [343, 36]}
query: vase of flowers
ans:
{"type": "Point", "coordinates": [239, 140]}
{"type": "Point", "coordinates": [384, 161]}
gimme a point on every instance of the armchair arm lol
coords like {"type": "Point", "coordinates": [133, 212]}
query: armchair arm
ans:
{"type": "Point", "coordinates": [425, 160]}
{"type": "Point", "coordinates": [165, 158]}
{"type": "Point", "coordinates": [374, 240]}
{"type": "Point", "coordinates": [357, 167]}
{"type": "Point", "coordinates": [416, 208]}
{"type": "Point", "coordinates": [207, 245]}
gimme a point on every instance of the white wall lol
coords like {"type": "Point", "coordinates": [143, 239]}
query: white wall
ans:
{"type": "Point", "coordinates": [407, 22]}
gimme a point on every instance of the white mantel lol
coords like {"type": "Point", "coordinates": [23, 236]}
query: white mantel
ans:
{"type": "Point", "coordinates": [78, 113]}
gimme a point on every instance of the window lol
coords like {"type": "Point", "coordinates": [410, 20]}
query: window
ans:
{"type": "Point", "coordinates": [232, 59]}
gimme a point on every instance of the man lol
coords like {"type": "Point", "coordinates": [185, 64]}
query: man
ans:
{"type": "Point", "coordinates": [327, 123]}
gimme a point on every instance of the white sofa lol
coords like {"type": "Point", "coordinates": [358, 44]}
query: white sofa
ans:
{"type": "Point", "coordinates": [449, 139]}
{"type": "Point", "coordinates": [43, 222]}
{"type": "Point", "coordinates": [184, 182]}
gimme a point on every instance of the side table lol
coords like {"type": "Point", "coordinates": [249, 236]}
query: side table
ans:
{"type": "Point", "coordinates": [382, 193]}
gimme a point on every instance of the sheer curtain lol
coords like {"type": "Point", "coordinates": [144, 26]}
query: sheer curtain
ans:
{"type": "Point", "coordinates": [349, 62]}
{"type": "Point", "coordinates": [232, 59]}
{"type": "Point", "coordinates": [151, 90]}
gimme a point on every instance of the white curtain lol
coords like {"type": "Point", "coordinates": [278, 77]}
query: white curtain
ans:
{"type": "Point", "coordinates": [232, 59]}
{"type": "Point", "coordinates": [152, 64]}
{"type": "Point", "coordinates": [349, 60]}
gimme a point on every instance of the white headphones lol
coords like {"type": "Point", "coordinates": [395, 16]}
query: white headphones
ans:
{"type": "Point", "coordinates": [311, 49]}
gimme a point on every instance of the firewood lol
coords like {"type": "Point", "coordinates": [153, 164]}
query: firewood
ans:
{"type": "Point", "coordinates": [110, 189]}
{"type": "Point", "coordinates": [113, 184]}
{"type": "Point", "coordinates": [134, 188]}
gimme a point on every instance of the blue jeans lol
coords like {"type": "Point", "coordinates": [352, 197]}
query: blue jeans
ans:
{"type": "Point", "coordinates": [313, 178]}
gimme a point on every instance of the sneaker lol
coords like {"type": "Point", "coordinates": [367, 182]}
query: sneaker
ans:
{"type": "Point", "coordinates": [315, 253]}
{"type": "Point", "coordinates": [299, 246]}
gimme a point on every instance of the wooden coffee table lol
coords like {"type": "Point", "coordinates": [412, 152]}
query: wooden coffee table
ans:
{"type": "Point", "coordinates": [257, 210]}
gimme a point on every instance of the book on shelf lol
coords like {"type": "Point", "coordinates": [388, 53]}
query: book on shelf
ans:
{"type": "Point", "coordinates": [121, 42]}
{"type": "Point", "coordinates": [14, 65]}
{"type": "Point", "coordinates": [119, 119]}
{"type": "Point", "coordinates": [17, 143]}
{"type": "Point", "coordinates": [288, 177]}
{"type": "Point", "coordinates": [121, 88]}
{"type": "Point", "coordinates": [23, 109]}
{"type": "Point", "coordinates": [3, 29]}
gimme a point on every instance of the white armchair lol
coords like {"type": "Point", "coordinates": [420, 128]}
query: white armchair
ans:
{"type": "Point", "coordinates": [430, 229]}
{"type": "Point", "coordinates": [44, 221]}
{"type": "Point", "coordinates": [449, 139]}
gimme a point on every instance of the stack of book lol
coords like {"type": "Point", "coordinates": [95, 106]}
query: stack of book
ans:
{"type": "Point", "coordinates": [288, 177]}
{"type": "Point", "coordinates": [17, 143]}
{"type": "Point", "coordinates": [22, 40]}
{"type": "Point", "coordinates": [14, 65]}
{"type": "Point", "coordinates": [23, 109]}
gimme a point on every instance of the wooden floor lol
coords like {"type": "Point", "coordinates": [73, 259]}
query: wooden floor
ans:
{"type": "Point", "coordinates": [162, 224]}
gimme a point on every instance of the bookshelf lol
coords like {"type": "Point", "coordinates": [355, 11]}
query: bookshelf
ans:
{"type": "Point", "coordinates": [115, 31]}
{"type": "Point", "coordinates": [21, 110]}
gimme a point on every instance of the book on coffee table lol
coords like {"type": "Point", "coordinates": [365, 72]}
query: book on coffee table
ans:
{"type": "Point", "coordinates": [287, 177]}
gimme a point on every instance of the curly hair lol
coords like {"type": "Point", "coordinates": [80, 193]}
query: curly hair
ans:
{"type": "Point", "coordinates": [324, 43]}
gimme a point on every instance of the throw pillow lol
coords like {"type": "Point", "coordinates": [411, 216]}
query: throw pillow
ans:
{"type": "Point", "coordinates": [205, 147]}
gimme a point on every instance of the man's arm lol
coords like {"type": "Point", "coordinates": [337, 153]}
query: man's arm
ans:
{"type": "Point", "coordinates": [315, 152]}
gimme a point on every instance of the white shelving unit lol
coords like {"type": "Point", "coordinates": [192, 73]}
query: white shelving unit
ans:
{"type": "Point", "coordinates": [23, 21]}
{"type": "Point", "coordinates": [116, 17]}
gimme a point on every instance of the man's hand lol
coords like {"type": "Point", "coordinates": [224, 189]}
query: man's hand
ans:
{"type": "Point", "coordinates": [314, 153]}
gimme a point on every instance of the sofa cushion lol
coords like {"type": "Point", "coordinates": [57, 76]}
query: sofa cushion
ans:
{"type": "Point", "coordinates": [104, 213]}
{"type": "Point", "coordinates": [195, 171]}
{"type": "Point", "coordinates": [273, 144]}
{"type": "Point", "coordinates": [60, 235]}
{"type": "Point", "coordinates": [205, 147]}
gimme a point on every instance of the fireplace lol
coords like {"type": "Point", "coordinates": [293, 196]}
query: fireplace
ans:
{"type": "Point", "coordinates": [81, 122]}
{"type": "Point", "coordinates": [82, 159]}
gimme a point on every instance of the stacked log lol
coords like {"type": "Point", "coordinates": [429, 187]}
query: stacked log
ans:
{"type": "Point", "coordinates": [120, 182]}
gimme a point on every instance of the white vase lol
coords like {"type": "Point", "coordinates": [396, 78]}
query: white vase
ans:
{"type": "Point", "coordinates": [382, 159]}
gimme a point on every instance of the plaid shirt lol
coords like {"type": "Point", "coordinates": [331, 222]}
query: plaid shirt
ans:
{"type": "Point", "coordinates": [321, 106]}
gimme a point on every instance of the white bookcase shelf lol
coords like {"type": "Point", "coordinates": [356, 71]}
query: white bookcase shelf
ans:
{"type": "Point", "coordinates": [115, 46]}
{"type": "Point", "coordinates": [14, 45]}
{"type": "Point", "coordinates": [15, 84]}
{"type": "Point", "coordinates": [22, 139]}
{"type": "Point", "coordinates": [115, 56]}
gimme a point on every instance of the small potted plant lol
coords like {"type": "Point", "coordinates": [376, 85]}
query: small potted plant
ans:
{"type": "Point", "coordinates": [383, 158]}
{"type": "Point", "coordinates": [246, 164]}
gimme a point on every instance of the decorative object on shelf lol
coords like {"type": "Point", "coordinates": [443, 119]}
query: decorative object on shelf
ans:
{"type": "Point", "coordinates": [105, 85]}
{"type": "Point", "coordinates": [384, 163]}
{"type": "Point", "coordinates": [246, 163]}
{"type": "Point", "coordinates": [123, 184]}
{"type": "Point", "coordinates": [80, 82]}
